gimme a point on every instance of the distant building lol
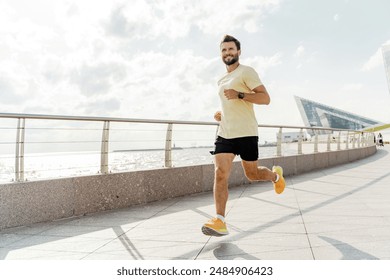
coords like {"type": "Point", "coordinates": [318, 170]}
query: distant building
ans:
{"type": "Point", "coordinates": [315, 114]}
{"type": "Point", "coordinates": [288, 137]}
{"type": "Point", "coordinates": [386, 62]}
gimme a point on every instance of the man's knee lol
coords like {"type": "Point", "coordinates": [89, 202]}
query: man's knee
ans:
{"type": "Point", "coordinates": [221, 174]}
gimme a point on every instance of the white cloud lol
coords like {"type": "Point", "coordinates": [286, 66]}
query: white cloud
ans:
{"type": "Point", "coordinates": [262, 63]}
{"type": "Point", "coordinates": [302, 57]}
{"type": "Point", "coordinates": [299, 52]}
{"type": "Point", "coordinates": [175, 18]}
{"type": "Point", "coordinates": [376, 60]}
{"type": "Point", "coordinates": [59, 58]}
{"type": "Point", "coordinates": [160, 86]}
{"type": "Point", "coordinates": [215, 17]}
{"type": "Point", "coordinates": [132, 58]}
{"type": "Point", "coordinates": [352, 87]}
{"type": "Point", "coordinates": [336, 17]}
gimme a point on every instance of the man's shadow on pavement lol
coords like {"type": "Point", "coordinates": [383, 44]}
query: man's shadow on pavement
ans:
{"type": "Point", "coordinates": [229, 251]}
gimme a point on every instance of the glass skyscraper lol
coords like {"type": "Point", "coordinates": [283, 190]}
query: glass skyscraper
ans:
{"type": "Point", "coordinates": [315, 114]}
{"type": "Point", "coordinates": [386, 62]}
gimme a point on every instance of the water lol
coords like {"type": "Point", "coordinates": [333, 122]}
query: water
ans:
{"type": "Point", "coordinates": [56, 165]}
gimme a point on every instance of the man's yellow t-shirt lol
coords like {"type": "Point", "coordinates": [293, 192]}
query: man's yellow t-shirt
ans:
{"type": "Point", "coordinates": [238, 117]}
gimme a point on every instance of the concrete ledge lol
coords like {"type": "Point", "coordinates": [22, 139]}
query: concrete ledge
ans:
{"type": "Point", "coordinates": [288, 163]}
{"type": "Point", "coordinates": [38, 201]}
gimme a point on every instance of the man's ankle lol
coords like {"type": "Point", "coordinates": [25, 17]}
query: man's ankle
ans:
{"type": "Point", "coordinates": [222, 218]}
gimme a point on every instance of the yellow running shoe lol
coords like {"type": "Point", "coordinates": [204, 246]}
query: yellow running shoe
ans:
{"type": "Point", "coordinates": [280, 184]}
{"type": "Point", "coordinates": [215, 227]}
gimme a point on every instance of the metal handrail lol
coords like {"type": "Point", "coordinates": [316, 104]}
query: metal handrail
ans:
{"type": "Point", "coordinates": [132, 120]}
{"type": "Point", "coordinates": [99, 119]}
{"type": "Point", "coordinates": [19, 155]}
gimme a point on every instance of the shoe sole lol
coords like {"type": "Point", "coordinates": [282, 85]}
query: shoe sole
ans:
{"type": "Point", "coordinates": [211, 232]}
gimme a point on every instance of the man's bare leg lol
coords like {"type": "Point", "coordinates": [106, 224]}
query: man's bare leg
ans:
{"type": "Point", "coordinates": [257, 173]}
{"type": "Point", "coordinates": [261, 173]}
{"type": "Point", "coordinates": [223, 165]}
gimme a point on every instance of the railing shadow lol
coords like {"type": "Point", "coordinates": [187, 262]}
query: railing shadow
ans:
{"type": "Point", "coordinates": [262, 227]}
{"type": "Point", "coordinates": [348, 252]}
{"type": "Point", "coordinates": [226, 249]}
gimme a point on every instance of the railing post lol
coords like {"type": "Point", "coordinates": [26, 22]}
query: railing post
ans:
{"type": "Point", "coordinates": [359, 140]}
{"type": "Point", "coordinates": [168, 146]}
{"type": "Point", "coordinates": [316, 142]}
{"type": "Point", "coordinates": [354, 140]}
{"type": "Point", "coordinates": [279, 143]}
{"type": "Point", "coordinates": [339, 142]}
{"type": "Point", "coordinates": [328, 142]}
{"type": "Point", "coordinates": [369, 139]}
{"type": "Point", "coordinates": [347, 141]}
{"type": "Point", "coordinates": [104, 148]}
{"type": "Point", "coordinates": [300, 139]}
{"type": "Point", "coordinates": [19, 153]}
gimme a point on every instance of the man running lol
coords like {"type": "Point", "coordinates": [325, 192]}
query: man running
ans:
{"type": "Point", "coordinates": [239, 88]}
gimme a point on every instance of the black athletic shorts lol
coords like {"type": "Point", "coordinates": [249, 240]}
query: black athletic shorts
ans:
{"type": "Point", "coordinates": [246, 147]}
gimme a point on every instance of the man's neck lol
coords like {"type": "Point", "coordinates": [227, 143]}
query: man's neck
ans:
{"type": "Point", "coordinates": [231, 68]}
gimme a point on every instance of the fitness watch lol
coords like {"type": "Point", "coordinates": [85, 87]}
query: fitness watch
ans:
{"type": "Point", "coordinates": [241, 95]}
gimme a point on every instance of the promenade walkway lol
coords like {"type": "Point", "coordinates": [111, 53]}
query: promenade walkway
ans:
{"type": "Point", "coordinates": [336, 213]}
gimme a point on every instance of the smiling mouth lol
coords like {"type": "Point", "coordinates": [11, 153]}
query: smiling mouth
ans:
{"type": "Point", "coordinates": [230, 59]}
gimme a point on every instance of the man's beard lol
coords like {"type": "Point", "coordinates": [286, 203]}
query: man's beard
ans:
{"type": "Point", "coordinates": [232, 61]}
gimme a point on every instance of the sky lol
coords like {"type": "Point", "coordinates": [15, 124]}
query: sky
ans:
{"type": "Point", "coordinates": [161, 59]}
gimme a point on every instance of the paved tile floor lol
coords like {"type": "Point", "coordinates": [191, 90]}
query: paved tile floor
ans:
{"type": "Point", "coordinates": [331, 214]}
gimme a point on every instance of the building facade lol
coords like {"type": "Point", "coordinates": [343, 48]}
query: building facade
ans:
{"type": "Point", "coordinates": [315, 114]}
{"type": "Point", "coordinates": [386, 62]}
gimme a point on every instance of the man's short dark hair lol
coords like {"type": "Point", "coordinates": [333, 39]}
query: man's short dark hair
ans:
{"type": "Point", "coordinates": [228, 38]}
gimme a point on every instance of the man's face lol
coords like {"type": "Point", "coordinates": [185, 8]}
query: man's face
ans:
{"type": "Point", "coordinates": [229, 53]}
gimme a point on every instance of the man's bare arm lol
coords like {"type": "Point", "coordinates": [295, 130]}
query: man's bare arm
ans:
{"type": "Point", "coordinates": [259, 95]}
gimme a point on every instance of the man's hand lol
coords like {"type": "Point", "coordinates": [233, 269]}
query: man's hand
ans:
{"type": "Point", "coordinates": [217, 116]}
{"type": "Point", "coordinates": [231, 94]}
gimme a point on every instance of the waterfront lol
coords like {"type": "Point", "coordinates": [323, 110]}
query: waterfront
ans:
{"type": "Point", "coordinates": [56, 165]}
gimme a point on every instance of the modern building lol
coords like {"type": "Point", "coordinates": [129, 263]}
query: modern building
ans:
{"type": "Point", "coordinates": [315, 114]}
{"type": "Point", "coordinates": [386, 62]}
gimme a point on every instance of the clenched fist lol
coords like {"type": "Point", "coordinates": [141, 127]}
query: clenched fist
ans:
{"type": "Point", "coordinates": [217, 116]}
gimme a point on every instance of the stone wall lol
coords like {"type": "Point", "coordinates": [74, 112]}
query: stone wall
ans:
{"type": "Point", "coordinates": [38, 201]}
